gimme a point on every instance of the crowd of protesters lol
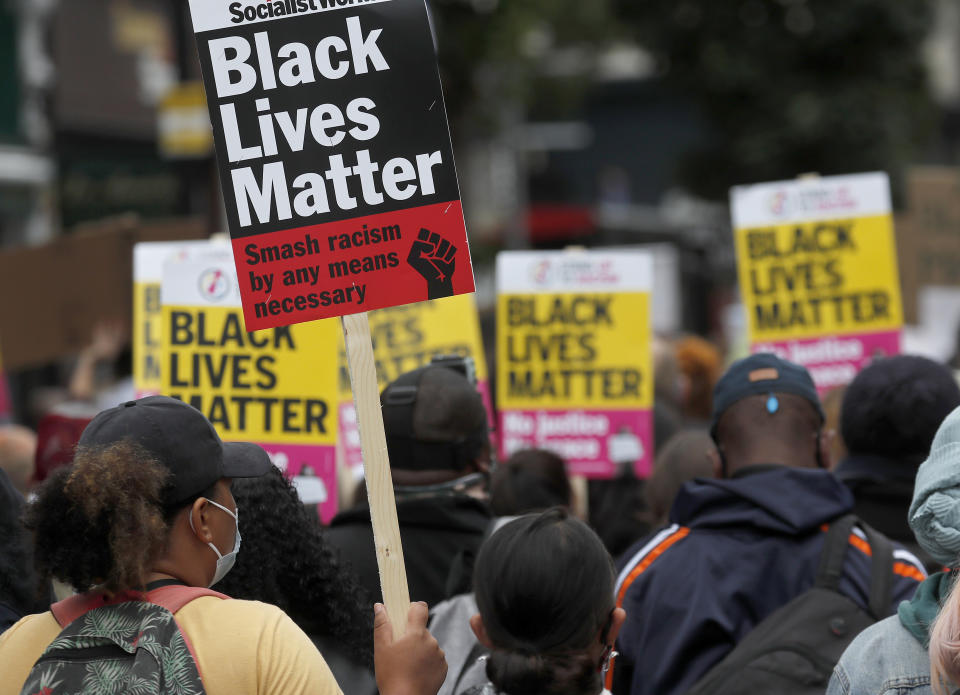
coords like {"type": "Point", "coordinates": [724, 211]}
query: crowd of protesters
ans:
{"type": "Point", "coordinates": [762, 494]}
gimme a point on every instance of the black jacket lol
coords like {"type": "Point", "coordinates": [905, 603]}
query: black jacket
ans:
{"type": "Point", "coordinates": [737, 550]}
{"type": "Point", "coordinates": [440, 536]}
{"type": "Point", "coordinates": [883, 489]}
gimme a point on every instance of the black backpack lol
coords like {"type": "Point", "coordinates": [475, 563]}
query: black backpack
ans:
{"type": "Point", "coordinates": [794, 650]}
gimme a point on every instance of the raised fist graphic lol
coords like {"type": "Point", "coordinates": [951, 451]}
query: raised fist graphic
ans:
{"type": "Point", "coordinates": [435, 259]}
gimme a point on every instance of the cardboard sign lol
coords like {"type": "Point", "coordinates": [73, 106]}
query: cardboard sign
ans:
{"type": "Point", "coordinates": [273, 387]}
{"type": "Point", "coordinates": [818, 272]}
{"type": "Point", "coordinates": [406, 338]}
{"type": "Point", "coordinates": [334, 154]}
{"type": "Point", "coordinates": [574, 366]}
{"type": "Point", "coordinates": [6, 407]}
{"type": "Point", "coordinates": [86, 279]}
{"type": "Point", "coordinates": [928, 241]}
{"type": "Point", "coordinates": [149, 259]}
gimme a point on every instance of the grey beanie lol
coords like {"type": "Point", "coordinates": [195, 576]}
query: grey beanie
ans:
{"type": "Point", "coordinates": [935, 510]}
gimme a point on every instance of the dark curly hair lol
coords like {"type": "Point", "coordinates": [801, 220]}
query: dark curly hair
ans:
{"type": "Point", "coordinates": [285, 561]}
{"type": "Point", "coordinates": [894, 407]}
{"type": "Point", "coordinates": [20, 588]}
{"type": "Point", "coordinates": [100, 521]}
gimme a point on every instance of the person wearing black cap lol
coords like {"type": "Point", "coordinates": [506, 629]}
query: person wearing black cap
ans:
{"type": "Point", "coordinates": [144, 510]}
{"type": "Point", "coordinates": [439, 449]}
{"type": "Point", "coordinates": [744, 543]}
{"type": "Point", "coordinates": [890, 414]}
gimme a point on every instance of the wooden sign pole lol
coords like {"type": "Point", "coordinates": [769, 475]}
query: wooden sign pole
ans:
{"type": "Point", "coordinates": [376, 467]}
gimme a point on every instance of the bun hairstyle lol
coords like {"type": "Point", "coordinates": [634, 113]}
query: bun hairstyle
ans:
{"type": "Point", "coordinates": [101, 521]}
{"type": "Point", "coordinates": [544, 587]}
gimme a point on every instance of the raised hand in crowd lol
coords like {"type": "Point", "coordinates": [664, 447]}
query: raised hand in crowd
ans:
{"type": "Point", "coordinates": [412, 664]}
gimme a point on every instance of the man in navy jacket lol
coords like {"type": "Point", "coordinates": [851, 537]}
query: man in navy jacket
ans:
{"type": "Point", "coordinates": [744, 544]}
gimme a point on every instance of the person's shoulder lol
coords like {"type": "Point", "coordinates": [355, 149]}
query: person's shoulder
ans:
{"type": "Point", "coordinates": [250, 614]}
{"type": "Point", "coordinates": [31, 628]}
{"type": "Point", "coordinates": [349, 517]}
{"type": "Point", "coordinates": [458, 501]}
{"type": "Point", "coordinates": [649, 558]}
{"type": "Point", "coordinates": [889, 631]}
{"type": "Point", "coordinates": [884, 655]}
{"type": "Point", "coordinates": [450, 513]}
{"type": "Point", "coordinates": [450, 624]}
{"type": "Point", "coordinates": [627, 556]}
{"type": "Point", "coordinates": [455, 610]}
{"type": "Point", "coordinates": [234, 605]}
{"type": "Point", "coordinates": [908, 570]}
{"type": "Point", "coordinates": [20, 647]}
{"type": "Point", "coordinates": [253, 647]}
{"type": "Point", "coordinates": [227, 623]}
{"type": "Point", "coordinates": [350, 532]}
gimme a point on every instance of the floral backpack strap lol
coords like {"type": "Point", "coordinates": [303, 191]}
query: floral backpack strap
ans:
{"type": "Point", "coordinates": [175, 596]}
{"type": "Point", "coordinates": [73, 607]}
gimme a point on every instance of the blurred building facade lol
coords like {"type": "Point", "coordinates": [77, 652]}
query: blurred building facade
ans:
{"type": "Point", "coordinates": [27, 166]}
{"type": "Point", "coordinates": [119, 62]}
{"type": "Point", "coordinates": [92, 89]}
{"type": "Point", "coordinates": [102, 113]}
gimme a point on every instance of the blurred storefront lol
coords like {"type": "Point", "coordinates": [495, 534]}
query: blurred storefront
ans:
{"type": "Point", "coordinates": [108, 130]}
{"type": "Point", "coordinates": [27, 170]}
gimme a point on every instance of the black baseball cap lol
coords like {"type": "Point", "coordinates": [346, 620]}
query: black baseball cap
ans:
{"type": "Point", "coordinates": [181, 439]}
{"type": "Point", "coordinates": [763, 373]}
{"type": "Point", "coordinates": [442, 436]}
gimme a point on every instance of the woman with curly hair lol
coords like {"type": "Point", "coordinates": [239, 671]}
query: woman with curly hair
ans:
{"type": "Point", "coordinates": [544, 588]}
{"type": "Point", "coordinates": [145, 513]}
{"type": "Point", "coordinates": [20, 590]}
{"type": "Point", "coordinates": [286, 562]}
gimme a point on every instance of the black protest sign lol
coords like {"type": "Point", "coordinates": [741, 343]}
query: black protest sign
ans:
{"type": "Point", "coordinates": [334, 155]}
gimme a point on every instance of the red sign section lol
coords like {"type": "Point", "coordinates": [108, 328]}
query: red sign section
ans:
{"type": "Point", "coordinates": [354, 265]}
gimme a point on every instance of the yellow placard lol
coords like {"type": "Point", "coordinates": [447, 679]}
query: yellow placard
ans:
{"type": "Point", "coordinates": [149, 261]}
{"type": "Point", "coordinates": [147, 345]}
{"type": "Point", "coordinates": [184, 122]}
{"type": "Point", "coordinates": [574, 350]}
{"type": "Point", "coordinates": [407, 337]}
{"type": "Point", "coordinates": [271, 386]}
{"type": "Point", "coordinates": [811, 279]}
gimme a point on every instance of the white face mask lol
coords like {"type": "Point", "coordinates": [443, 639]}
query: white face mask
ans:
{"type": "Point", "coordinates": [224, 562]}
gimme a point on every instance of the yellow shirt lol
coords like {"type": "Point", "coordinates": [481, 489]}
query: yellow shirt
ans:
{"type": "Point", "coordinates": [242, 648]}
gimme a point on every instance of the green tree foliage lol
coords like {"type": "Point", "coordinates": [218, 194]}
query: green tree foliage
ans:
{"type": "Point", "coordinates": [792, 86]}
{"type": "Point", "coordinates": [497, 52]}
